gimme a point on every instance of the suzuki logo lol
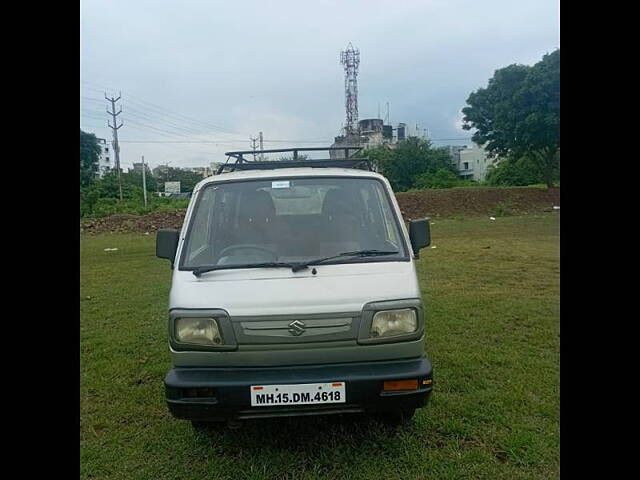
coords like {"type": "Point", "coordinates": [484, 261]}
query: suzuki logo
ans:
{"type": "Point", "coordinates": [296, 328]}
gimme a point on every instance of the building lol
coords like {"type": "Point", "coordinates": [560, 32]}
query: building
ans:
{"type": "Point", "coordinates": [344, 141]}
{"type": "Point", "coordinates": [137, 167]}
{"type": "Point", "coordinates": [214, 166]}
{"type": "Point", "coordinates": [371, 133]}
{"type": "Point", "coordinates": [204, 171]}
{"type": "Point", "coordinates": [454, 153]}
{"type": "Point", "coordinates": [160, 171]}
{"type": "Point", "coordinates": [473, 163]}
{"type": "Point", "coordinates": [105, 159]}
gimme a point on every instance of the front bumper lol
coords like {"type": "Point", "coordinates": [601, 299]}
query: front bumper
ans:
{"type": "Point", "coordinates": [228, 394]}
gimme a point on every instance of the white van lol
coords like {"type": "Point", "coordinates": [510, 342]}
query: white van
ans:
{"type": "Point", "coordinates": [294, 292]}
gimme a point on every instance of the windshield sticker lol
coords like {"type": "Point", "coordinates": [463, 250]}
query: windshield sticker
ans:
{"type": "Point", "coordinates": [280, 184]}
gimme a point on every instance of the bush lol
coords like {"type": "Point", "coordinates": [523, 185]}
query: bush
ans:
{"type": "Point", "coordinates": [104, 207]}
{"type": "Point", "coordinates": [518, 172]}
{"type": "Point", "coordinates": [442, 178]}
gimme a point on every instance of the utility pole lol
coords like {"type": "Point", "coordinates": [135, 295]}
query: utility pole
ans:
{"type": "Point", "coordinates": [253, 146]}
{"type": "Point", "coordinates": [115, 127]}
{"type": "Point", "coordinates": [261, 148]}
{"type": "Point", "coordinates": [166, 176]}
{"type": "Point", "coordinates": [144, 181]}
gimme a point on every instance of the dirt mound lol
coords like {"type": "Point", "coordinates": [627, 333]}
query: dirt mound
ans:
{"type": "Point", "coordinates": [427, 203]}
{"type": "Point", "coordinates": [476, 201]}
{"type": "Point", "coordinates": [151, 222]}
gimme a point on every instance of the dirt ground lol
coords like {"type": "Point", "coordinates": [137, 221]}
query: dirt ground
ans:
{"type": "Point", "coordinates": [476, 201]}
{"type": "Point", "coordinates": [149, 223]}
{"type": "Point", "coordinates": [428, 203]}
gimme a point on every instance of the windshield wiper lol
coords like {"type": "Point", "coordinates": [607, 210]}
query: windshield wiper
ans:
{"type": "Point", "coordinates": [210, 268]}
{"type": "Point", "coordinates": [295, 267]}
{"type": "Point", "coordinates": [358, 253]}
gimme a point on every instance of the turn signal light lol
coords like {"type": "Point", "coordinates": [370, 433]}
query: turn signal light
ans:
{"type": "Point", "coordinates": [395, 385]}
{"type": "Point", "coordinates": [203, 392]}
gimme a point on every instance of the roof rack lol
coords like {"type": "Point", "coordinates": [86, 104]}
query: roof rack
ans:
{"type": "Point", "coordinates": [242, 163]}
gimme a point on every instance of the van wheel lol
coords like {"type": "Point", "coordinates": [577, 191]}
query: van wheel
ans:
{"type": "Point", "coordinates": [398, 417]}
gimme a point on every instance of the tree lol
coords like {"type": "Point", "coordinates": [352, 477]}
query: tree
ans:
{"type": "Point", "coordinates": [134, 177]}
{"type": "Point", "coordinates": [289, 158]}
{"type": "Point", "coordinates": [410, 159]}
{"type": "Point", "coordinates": [187, 179]}
{"type": "Point", "coordinates": [89, 156]}
{"type": "Point", "coordinates": [107, 187]}
{"type": "Point", "coordinates": [518, 114]}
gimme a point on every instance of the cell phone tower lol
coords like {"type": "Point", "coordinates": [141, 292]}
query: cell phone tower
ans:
{"type": "Point", "coordinates": [350, 59]}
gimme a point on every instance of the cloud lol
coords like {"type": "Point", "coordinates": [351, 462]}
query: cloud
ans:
{"type": "Point", "coordinates": [253, 66]}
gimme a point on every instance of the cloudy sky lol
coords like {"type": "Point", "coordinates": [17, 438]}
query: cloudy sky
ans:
{"type": "Point", "coordinates": [200, 77]}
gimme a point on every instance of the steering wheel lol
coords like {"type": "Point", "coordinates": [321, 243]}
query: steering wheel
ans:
{"type": "Point", "coordinates": [250, 246]}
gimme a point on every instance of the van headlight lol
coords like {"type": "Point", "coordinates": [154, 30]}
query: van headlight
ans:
{"type": "Point", "coordinates": [199, 331]}
{"type": "Point", "coordinates": [391, 323]}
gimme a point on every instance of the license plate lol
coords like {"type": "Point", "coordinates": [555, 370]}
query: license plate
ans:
{"type": "Point", "coordinates": [301, 394]}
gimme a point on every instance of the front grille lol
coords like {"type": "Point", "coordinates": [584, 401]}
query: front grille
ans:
{"type": "Point", "coordinates": [282, 329]}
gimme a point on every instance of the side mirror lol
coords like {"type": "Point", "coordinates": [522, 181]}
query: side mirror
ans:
{"type": "Point", "coordinates": [419, 234]}
{"type": "Point", "coordinates": [167, 244]}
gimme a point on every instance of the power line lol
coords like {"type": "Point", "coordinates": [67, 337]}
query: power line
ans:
{"type": "Point", "coordinates": [170, 134]}
{"type": "Point", "coordinates": [184, 117]}
{"type": "Point", "coordinates": [92, 112]}
{"type": "Point", "coordinates": [160, 130]}
{"type": "Point", "coordinates": [91, 99]}
{"type": "Point", "coordinates": [181, 129]}
{"type": "Point", "coordinates": [264, 141]}
{"type": "Point", "coordinates": [181, 117]}
{"type": "Point", "coordinates": [214, 142]}
{"type": "Point", "coordinates": [136, 113]}
{"type": "Point", "coordinates": [167, 127]}
{"type": "Point", "coordinates": [191, 121]}
{"type": "Point", "coordinates": [223, 141]}
{"type": "Point", "coordinates": [170, 143]}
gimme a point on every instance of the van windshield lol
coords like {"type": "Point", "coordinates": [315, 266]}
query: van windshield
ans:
{"type": "Point", "coordinates": [291, 220]}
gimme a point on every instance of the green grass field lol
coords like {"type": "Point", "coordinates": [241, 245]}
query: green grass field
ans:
{"type": "Point", "coordinates": [491, 291]}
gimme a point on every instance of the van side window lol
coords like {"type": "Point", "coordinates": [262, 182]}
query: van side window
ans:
{"type": "Point", "coordinates": [199, 239]}
{"type": "Point", "coordinates": [391, 234]}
